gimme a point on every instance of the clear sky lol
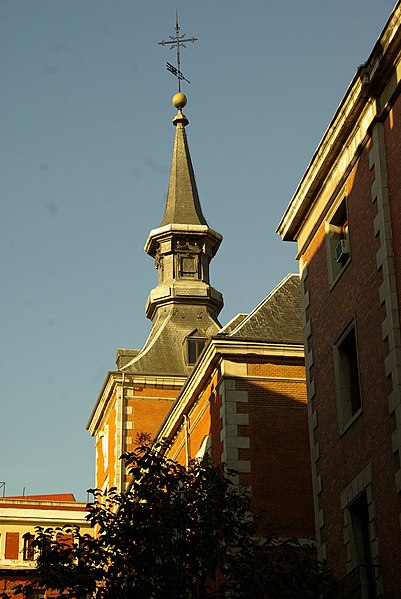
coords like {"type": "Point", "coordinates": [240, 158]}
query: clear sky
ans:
{"type": "Point", "coordinates": [86, 141]}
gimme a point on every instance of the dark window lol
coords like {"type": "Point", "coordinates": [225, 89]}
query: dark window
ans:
{"type": "Point", "coordinates": [338, 247]}
{"type": "Point", "coordinates": [350, 372]}
{"type": "Point", "coordinates": [340, 218]}
{"type": "Point", "coordinates": [360, 530]}
{"type": "Point", "coordinates": [347, 377]}
{"type": "Point", "coordinates": [29, 549]}
{"type": "Point", "coordinates": [195, 347]}
{"type": "Point", "coordinates": [361, 546]}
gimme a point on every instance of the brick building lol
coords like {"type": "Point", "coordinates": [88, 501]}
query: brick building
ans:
{"type": "Point", "coordinates": [237, 392]}
{"type": "Point", "coordinates": [245, 403]}
{"type": "Point", "coordinates": [346, 219]}
{"type": "Point", "coordinates": [18, 518]}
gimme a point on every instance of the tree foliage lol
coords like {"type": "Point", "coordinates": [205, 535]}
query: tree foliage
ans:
{"type": "Point", "coordinates": [177, 533]}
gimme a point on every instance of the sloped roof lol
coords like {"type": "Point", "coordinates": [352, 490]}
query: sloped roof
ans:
{"type": "Point", "coordinates": [182, 204]}
{"type": "Point", "coordinates": [165, 350]}
{"type": "Point", "coordinates": [277, 318]}
{"type": "Point", "coordinates": [232, 324]}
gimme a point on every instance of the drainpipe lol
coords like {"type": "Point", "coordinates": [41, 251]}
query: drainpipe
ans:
{"type": "Point", "coordinates": [124, 416]}
{"type": "Point", "coordinates": [186, 431]}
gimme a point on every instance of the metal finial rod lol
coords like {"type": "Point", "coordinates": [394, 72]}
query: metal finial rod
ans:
{"type": "Point", "coordinates": [178, 41]}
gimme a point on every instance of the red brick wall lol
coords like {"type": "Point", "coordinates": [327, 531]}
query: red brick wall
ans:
{"type": "Point", "coordinates": [203, 420]}
{"type": "Point", "coordinates": [355, 295]}
{"type": "Point", "coordinates": [280, 475]}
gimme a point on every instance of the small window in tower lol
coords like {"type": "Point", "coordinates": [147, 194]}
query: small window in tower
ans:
{"type": "Point", "coordinates": [29, 549]}
{"type": "Point", "coordinates": [195, 347]}
{"type": "Point", "coordinates": [347, 377]}
{"type": "Point", "coordinates": [188, 266]}
{"type": "Point", "coordinates": [337, 242]}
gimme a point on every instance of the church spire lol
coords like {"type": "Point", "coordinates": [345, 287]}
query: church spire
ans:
{"type": "Point", "coordinates": [182, 205]}
{"type": "Point", "coordinates": [183, 307]}
{"type": "Point", "coordinates": [184, 244]}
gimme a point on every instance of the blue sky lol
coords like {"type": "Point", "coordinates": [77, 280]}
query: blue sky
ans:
{"type": "Point", "coordinates": [86, 140]}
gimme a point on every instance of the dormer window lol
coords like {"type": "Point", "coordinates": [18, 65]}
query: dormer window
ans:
{"type": "Point", "coordinates": [195, 347]}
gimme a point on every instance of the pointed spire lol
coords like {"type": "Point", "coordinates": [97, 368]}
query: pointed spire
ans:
{"type": "Point", "coordinates": [182, 204]}
{"type": "Point", "coordinates": [184, 244]}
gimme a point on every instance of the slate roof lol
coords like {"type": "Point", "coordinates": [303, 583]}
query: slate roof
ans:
{"type": "Point", "coordinates": [277, 318]}
{"type": "Point", "coordinates": [177, 317]}
{"type": "Point", "coordinates": [165, 351]}
{"type": "Point", "coordinates": [232, 324]}
{"type": "Point", "coordinates": [182, 204]}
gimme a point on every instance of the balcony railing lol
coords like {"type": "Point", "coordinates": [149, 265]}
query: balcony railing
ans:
{"type": "Point", "coordinates": [361, 582]}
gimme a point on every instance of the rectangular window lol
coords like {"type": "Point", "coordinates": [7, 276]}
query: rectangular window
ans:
{"type": "Point", "coordinates": [12, 545]}
{"type": "Point", "coordinates": [347, 377]}
{"type": "Point", "coordinates": [29, 549]}
{"type": "Point", "coordinates": [337, 242]}
{"type": "Point", "coordinates": [195, 347]}
{"type": "Point", "coordinates": [361, 547]}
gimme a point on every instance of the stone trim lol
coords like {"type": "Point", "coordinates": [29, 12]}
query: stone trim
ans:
{"type": "Point", "coordinates": [388, 288]}
{"type": "Point", "coordinates": [312, 416]}
{"type": "Point", "coordinates": [361, 483]}
{"type": "Point", "coordinates": [229, 437]}
{"type": "Point", "coordinates": [119, 444]}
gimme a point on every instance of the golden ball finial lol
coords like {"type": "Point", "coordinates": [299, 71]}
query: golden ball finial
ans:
{"type": "Point", "coordinates": [179, 100]}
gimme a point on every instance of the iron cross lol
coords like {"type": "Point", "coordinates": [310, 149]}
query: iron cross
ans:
{"type": "Point", "coordinates": [177, 41]}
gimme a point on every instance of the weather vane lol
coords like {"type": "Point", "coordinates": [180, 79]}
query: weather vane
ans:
{"type": "Point", "coordinates": [177, 41]}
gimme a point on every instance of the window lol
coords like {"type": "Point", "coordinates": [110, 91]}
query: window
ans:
{"type": "Point", "coordinates": [361, 547]}
{"type": "Point", "coordinates": [12, 545]}
{"type": "Point", "coordinates": [337, 242]}
{"type": "Point", "coordinates": [361, 544]}
{"type": "Point", "coordinates": [195, 347]}
{"type": "Point", "coordinates": [360, 530]}
{"type": "Point", "coordinates": [65, 541]}
{"type": "Point", "coordinates": [34, 594]}
{"type": "Point", "coordinates": [29, 549]}
{"type": "Point", "coordinates": [347, 377]}
{"type": "Point", "coordinates": [188, 266]}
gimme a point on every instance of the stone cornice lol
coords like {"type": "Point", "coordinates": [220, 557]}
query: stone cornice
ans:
{"type": "Point", "coordinates": [218, 350]}
{"type": "Point", "coordinates": [102, 401]}
{"type": "Point", "coordinates": [117, 378]}
{"type": "Point", "coordinates": [349, 127]}
{"type": "Point", "coordinates": [177, 228]}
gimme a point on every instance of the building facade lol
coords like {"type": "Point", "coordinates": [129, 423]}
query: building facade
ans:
{"type": "Point", "coordinates": [346, 219]}
{"type": "Point", "coordinates": [236, 392]}
{"type": "Point", "coordinates": [245, 404]}
{"type": "Point", "coordinates": [19, 517]}
{"type": "Point", "coordinates": [183, 309]}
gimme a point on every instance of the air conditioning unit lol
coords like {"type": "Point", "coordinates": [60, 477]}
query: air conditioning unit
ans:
{"type": "Point", "coordinates": [342, 251]}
